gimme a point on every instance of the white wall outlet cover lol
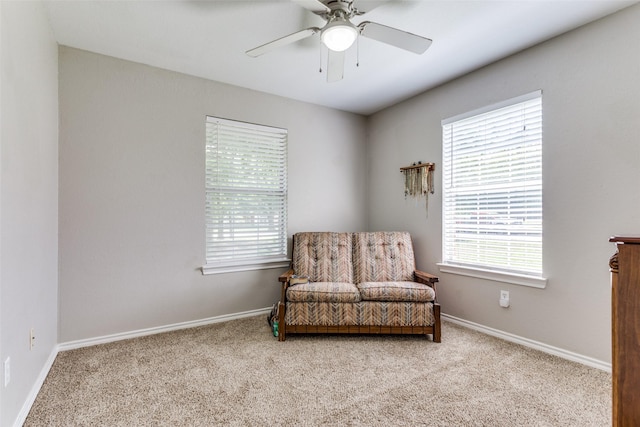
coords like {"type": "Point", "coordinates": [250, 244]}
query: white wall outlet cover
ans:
{"type": "Point", "coordinates": [504, 299]}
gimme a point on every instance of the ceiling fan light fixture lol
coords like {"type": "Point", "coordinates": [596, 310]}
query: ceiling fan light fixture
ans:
{"type": "Point", "coordinates": [339, 35]}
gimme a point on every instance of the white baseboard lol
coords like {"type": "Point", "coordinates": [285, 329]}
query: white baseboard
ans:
{"type": "Point", "coordinates": [71, 345]}
{"type": "Point", "coordinates": [545, 348]}
{"type": "Point", "coordinates": [33, 393]}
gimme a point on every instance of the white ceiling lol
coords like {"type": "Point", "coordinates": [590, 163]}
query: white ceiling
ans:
{"type": "Point", "coordinates": [208, 39]}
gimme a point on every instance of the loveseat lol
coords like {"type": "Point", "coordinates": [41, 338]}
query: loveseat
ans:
{"type": "Point", "coordinates": [356, 283]}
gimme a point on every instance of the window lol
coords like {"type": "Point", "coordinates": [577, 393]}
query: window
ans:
{"type": "Point", "coordinates": [246, 196]}
{"type": "Point", "coordinates": [492, 173]}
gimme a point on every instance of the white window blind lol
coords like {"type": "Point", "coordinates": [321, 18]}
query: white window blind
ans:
{"type": "Point", "coordinates": [246, 193]}
{"type": "Point", "coordinates": [492, 173]}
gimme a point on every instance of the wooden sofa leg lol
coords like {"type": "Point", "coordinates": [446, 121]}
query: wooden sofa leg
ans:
{"type": "Point", "coordinates": [436, 323]}
{"type": "Point", "coordinates": [281, 326]}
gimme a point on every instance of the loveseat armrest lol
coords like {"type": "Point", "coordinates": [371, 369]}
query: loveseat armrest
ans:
{"type": "Point", "coordinates": [427, 279]}
{"type": "Point", "coordinates": [284, 279]}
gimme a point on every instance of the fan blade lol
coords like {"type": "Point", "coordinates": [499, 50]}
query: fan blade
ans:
{"type": "Point", "coordinates": [315, 6]}
{"type": "Point", "coordinates": [394, 37]}
{"type": "Point", "coordinates": [335, 66]}
{"type": "Point", "coordinates": [291, 38]}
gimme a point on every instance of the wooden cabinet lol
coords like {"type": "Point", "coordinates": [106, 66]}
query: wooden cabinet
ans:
{"type": "Point", "coordinates": [625, 330]}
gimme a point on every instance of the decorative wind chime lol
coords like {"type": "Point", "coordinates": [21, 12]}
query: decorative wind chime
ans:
{"type": "Point", "coordinates": [418, 180]}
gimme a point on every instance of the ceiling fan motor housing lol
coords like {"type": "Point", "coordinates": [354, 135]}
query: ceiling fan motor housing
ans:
{"type": "Point", "coordinates": [341, 8]}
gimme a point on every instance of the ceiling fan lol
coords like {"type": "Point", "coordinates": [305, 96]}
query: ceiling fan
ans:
{"type": "Point", "coordinates": [339, 34]}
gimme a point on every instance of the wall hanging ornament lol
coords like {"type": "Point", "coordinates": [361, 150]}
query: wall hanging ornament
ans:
{"type": "Point", "coordinates": [418, 180]}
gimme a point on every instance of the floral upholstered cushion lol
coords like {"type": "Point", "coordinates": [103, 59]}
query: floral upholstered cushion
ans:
{"type": "Point", "coordinates": [323, 292]}
{"type": "Point", "coordinates": [323, 256]}
{"type": "Point", "coordinates": [396, 291]}
{"type": "Point", "coordinates": [383, 257]}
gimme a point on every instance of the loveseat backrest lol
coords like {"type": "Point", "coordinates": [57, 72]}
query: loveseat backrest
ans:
{"type": "Point", "coordinates": [323, 256]}
{"type": "Point", "coordinates": [383, 256]}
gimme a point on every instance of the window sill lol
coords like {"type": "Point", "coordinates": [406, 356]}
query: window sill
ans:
{"type": "Point", "coordinates": [234, 268]}
{"type": "Point", "coordinates": [497, 276]}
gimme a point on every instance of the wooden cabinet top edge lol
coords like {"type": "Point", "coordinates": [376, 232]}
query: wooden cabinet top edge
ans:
{"type": "Point", "coordinates": [633, 239]}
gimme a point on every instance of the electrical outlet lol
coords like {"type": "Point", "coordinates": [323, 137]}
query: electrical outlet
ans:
{"type": "Point", "coordinates": [32, 339]}
{"type": "Point", "coordinates": [7, 371]}
{"type": "Point", "coordinates": [504, 299]}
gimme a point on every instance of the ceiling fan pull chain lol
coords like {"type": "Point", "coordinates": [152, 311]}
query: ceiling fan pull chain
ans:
{"type": "Point", "coordinates": [358, 52]}
{"type": "Point", "coordinates": [320, 56]}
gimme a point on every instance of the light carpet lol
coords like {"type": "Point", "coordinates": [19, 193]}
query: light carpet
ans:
{"type": "Point", "coordinates": [236, 373]}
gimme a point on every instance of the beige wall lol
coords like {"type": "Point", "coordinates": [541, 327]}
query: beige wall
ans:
{"type": "Point", "coordinates": [132, 141]}
{"type": "Point", "coordinates": [591, 90]}
{"type": "Point", "coordinates": [28, 200]}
